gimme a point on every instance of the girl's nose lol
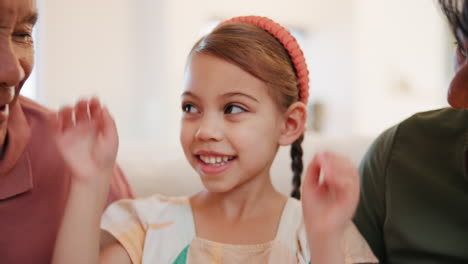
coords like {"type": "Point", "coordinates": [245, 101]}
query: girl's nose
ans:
{"type": "Point", "coordinates": [210, 129]}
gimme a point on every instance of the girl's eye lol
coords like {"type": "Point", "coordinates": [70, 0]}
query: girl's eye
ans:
{"type": "Point", "coordinates": [189, 108]}
{"type": "Point", "coordinates": [234, 109]}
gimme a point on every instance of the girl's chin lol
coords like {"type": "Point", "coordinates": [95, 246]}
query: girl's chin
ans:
{"type": "Point", "coordinates": [216, 187]}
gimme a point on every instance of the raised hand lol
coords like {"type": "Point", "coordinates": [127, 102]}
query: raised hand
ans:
{"type": "Point", "coordinates": [87, 138]}
{"type": "Point", "coordinates": [329, 198]}
{"type": "Point", "coordinates": [330, 194]}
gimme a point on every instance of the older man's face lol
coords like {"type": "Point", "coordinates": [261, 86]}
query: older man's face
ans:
{"type": "Point", "coordinates": [17, 19]}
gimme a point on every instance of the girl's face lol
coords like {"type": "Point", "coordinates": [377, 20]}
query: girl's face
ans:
{"type": "Point", "coordinates": [231, 126]}
{"type": "Point", "coordinates": [458, 89]}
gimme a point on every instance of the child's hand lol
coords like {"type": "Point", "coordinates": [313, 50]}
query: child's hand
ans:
{"type": "Point", "coordinates": [329, 202]}
{"type": "Point", "coordinates": [87, 138]}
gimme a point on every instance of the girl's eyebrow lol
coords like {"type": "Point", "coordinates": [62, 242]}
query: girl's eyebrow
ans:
{"type": "Point", "coordinates": [188, 93]}
{"type": "Point", "coordinates": [232, 94]}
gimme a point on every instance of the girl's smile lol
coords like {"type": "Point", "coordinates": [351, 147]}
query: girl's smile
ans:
{"type": "Point", "coordinates": [211, 163]}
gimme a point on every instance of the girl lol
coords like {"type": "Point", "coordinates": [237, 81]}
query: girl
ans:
{"type": "Point", "coordinates": [245, 94]}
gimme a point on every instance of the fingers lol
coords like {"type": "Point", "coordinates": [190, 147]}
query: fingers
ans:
{"type": "Point", "coordinates": [107, 124]}
{"type": "Point", "coordinates": [313, 172]}
{"type": "Point", "coordinates": [95, 108]}
{"type": "Point", "coordinates": [84, 110]}
{"type": "Point", "coordinates": [87, 109]}
{"type": "Point", "coordinates": [321, 169]}
{"type": "Point", "coordinates": [340, 176]}
{"type": "Point", "coordinates": [81, 111]}
{"type": "Point", "coordinates": [333, 169]}
{"type": "Point", "coordinates": [66, 119]}
{"type": "Point", "coordinates": [333, 172]}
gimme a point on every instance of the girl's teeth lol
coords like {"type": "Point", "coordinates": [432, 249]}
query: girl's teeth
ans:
{"type": "Point", "coordinates": [216, 161]}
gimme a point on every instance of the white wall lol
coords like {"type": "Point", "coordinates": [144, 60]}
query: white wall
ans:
{"type": "Point", "coordinates": [401, 61]}
{"type": "Point", "coordinates": [87, 48]}
{"type": "Point", "coordinates": [132, 54]}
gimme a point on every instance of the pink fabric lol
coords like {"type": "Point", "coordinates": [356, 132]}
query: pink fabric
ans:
{"type": "Point", "coordinates": [34, 184]}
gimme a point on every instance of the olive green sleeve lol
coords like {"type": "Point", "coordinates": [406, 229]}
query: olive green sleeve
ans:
{"type": "Point", "coordinates": [371, 211]}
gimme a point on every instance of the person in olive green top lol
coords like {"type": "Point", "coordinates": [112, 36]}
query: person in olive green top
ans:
{"type": "Point", "coordinates": [414, 195]}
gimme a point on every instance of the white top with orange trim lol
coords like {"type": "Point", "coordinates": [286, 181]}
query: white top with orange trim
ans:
{"type": "Point", "coordinates": [159, 229]}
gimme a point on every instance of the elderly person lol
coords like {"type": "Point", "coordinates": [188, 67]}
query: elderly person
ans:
{"type": "Point", "coordinates": [34, 181]}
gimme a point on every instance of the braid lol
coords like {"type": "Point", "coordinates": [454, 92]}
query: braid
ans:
{"type": "Point", "coordinates": [297, 166]}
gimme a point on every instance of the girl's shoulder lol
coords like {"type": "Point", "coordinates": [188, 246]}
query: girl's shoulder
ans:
{"type": "Point", "coordinates": [143, 223]}
{"type": "Point", "coordinates": [291, 230]}
{"type": "Point", "coordinates": [291, 218]}
{"type": "Point", "coordinates": [147, 209]}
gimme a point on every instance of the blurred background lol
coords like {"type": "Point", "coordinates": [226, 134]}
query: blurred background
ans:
{"type": "Point", "coordinates": [372, 62]}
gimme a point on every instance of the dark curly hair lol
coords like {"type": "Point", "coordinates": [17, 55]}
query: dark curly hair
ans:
{"type": "Point", "coordinates": [456, 12]}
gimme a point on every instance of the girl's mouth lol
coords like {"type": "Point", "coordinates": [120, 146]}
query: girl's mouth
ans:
{"type": "Point", "coordinates": [215, 161]}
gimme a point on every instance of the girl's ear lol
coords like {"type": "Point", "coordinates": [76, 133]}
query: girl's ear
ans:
{"type": "Point", "coordinates": [294, 123]}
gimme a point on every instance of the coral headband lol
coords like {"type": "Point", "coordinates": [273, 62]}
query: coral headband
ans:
{"type": "Point", "coordinates": [288, 42]}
